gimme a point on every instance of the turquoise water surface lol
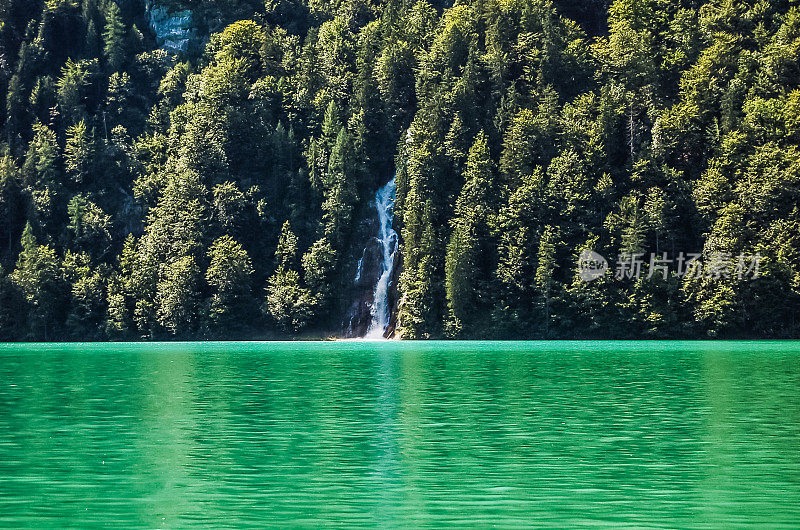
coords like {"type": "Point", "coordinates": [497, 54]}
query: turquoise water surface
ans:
{"type": "Point", "coordinates": [559, 434]}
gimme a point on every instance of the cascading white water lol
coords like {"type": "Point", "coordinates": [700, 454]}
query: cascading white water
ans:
{"type": "Point", "coordinates": [384, 202]}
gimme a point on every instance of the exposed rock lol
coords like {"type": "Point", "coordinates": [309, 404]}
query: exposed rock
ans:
{"type": "Point", "coordinates": [360, 315]}
{"type": "Point", "coordinates": [369, 269]}
{"type": "Point", "coordinates": [173, 29]}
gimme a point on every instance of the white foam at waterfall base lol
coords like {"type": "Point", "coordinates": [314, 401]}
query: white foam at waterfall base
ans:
{"type": "Point", "coordinates": [384, 202]}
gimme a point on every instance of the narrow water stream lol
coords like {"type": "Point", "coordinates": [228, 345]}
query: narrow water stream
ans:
{"type": "Point", "coordinates": [384, 202]}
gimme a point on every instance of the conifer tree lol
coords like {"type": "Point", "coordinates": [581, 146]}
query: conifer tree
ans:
{"type": "Point", "coordinates": [288, 303]}
{"type": "Point", "coordinates": [468, 265]}
{"type": "Point", "coordinates": [39, 277]}
{"type": "Point", "coordinates": [230, 273]}
{"type": "Point", "coordinates": [114, 37]}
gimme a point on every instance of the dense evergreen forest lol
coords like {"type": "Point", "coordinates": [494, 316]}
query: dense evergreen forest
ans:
{"type": "Point", "coordinates": [224, 190]}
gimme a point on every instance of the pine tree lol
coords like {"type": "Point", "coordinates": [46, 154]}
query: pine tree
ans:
{"type": "Point", "coordinates": [288, 303]}
{"type": "Point", "coordinates": [230, 273]}
{"type": "Point", "coordinates": [114, 37]}
{"type": "Point", "coordinates": [544, 279]}
{"type": "Point", "coordinates": [39, 277]}
{"type": "Point", "coordinates": [468, 263]}
{"type": "Point", "coordinates": [177, 297]}
{"type": "Point", "coordinates": [79, 152]}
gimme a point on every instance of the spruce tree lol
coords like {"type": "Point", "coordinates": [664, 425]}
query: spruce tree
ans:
{"type": "Point", "coordinates": [114, 37]}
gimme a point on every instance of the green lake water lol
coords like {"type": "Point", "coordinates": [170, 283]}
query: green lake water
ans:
{"type": "Point", "coordinates": [643, 434]}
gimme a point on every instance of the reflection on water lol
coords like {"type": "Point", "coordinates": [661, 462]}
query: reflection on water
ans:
{"type": "Point", "coordinates": [556, 434]}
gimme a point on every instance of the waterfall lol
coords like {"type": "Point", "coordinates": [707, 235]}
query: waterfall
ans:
{"type": "Point", "coordinates": [384, 202]}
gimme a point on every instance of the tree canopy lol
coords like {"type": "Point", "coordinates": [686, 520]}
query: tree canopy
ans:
{"type": "Point", "coordinates": [226, 191]}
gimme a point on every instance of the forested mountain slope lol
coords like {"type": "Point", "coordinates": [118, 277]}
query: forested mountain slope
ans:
{"type": "Point", "coordinates": [222, 191]}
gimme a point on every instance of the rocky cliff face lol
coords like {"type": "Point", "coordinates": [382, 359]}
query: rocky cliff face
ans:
{"type": "Point", "coordinates": [359, 315]}
{"type": "Point", "coordinates": [173, 29]}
